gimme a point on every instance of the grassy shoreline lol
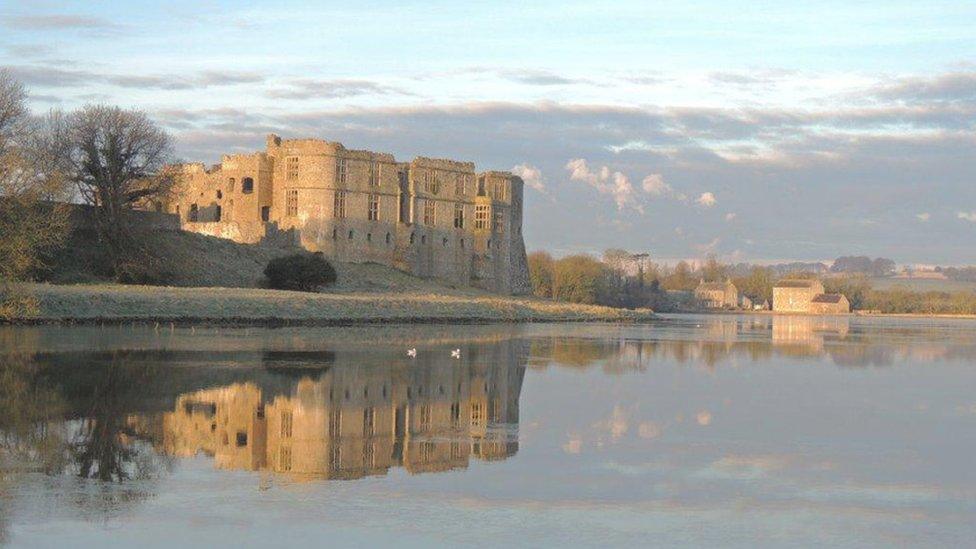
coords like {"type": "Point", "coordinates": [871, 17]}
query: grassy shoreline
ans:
{"type": "Point", "coordinates": [114, 303]}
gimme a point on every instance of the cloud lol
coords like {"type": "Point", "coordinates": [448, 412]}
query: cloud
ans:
{"type": "Point", "coordinates": [706, 200]}
{"type": "Point", "coordinates": [53, 77]}
{"type": "Point", "coordinates": [538, 77]}
{"type": "Point", "coordinates": [654, 185]}
{"type": "Point", "coordinates": [923, 217]}
{"type": "Point", "coordinates": [967, 216]}
{"type": "Point", "coordinates": [532, 177]}
{"type": "Point", "coordinates": [59, 22]}
{"type": "Point", "coordinates": [605, 181]}
{"type": "Point", "coordinates": [704, 418]}
{"type": "Point", "coordinates": [730, 216]}
{"type": "Point", "coordinates": [953, 87]}
{"type": "Point", "coordinates": [309, 88]}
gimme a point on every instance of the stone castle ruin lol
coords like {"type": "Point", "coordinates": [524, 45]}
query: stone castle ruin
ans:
{"type": "Point", "coordinates": [430, 217]}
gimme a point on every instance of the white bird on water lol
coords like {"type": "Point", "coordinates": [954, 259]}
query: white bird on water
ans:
{"type": "Point", "coordinates": [456, 353]}
{"type": "Point", "coordinates": [412, 353]}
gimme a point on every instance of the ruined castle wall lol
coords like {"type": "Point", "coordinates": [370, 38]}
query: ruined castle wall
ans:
{"type": "Point", "coordinates": [433, 218]}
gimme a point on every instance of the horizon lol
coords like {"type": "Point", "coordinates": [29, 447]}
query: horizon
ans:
{"type": "Point", "coordinates": [760, 133]}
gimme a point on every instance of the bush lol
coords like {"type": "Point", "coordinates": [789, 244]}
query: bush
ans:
{"type": "Point", "coordinates": [301, 272]}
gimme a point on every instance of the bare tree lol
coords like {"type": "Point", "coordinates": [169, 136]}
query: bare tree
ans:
{"type": "Point", "coordinates": [117, 161]}
{"type": "Point", "coordinates": [31, 187]}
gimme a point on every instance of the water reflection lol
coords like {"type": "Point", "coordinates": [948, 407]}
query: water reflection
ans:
{"type": "Point", "coordinates": [690, 411]}
{"type": "Point", "coordinates": [430, 414]}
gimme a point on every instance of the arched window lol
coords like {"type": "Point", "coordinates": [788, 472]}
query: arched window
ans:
{"type": "Point", "coordinates": [369, 237]}
{"type": "Point", "coordinates": [247, 185]}
{"type": "Point", "coordinates": [220, 194]}
{"type": "Point", "coordinates": [350, 234]}
{"type": "Point", "coordinates": [230, 184]}
{"type": "Point", "coordinates": [387, 238]}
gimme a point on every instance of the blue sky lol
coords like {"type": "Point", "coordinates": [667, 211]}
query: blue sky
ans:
{"type": "Point", "coordinates": [755, 132]}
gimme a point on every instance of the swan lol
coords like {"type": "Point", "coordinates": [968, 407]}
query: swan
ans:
{"type": "Point", "coordinates": [412, 353]}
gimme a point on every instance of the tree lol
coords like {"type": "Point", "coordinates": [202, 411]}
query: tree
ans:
{"type": "Point", "coordinates": [540, 273]}
{"type": "Point", "coordinates": [30, 184]}
{"type": "Point", "coordinates": [713, 271]}
{"type": "Point", "coordinates": [578, 279]}
{"type": "Point", "coordinates": [300, 272]}
{"type": "Point", "coordinates": [758, 286]}
{"type": "Point", "coordinates": [856, 288]}
{"type": "Point", "coordinates": [117, 159]}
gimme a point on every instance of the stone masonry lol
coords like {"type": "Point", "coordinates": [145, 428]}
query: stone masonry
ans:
{"type": "Point", "coordinates": [430, 217]}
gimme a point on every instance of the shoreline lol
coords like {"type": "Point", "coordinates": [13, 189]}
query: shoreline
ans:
{"type": "Point", "coordinates": [96, 304]}
{"type": "Point", "coordinates": [860, 314]}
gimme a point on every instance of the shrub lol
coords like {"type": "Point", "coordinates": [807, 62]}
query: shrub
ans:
{"type": "Point", "coordinates": [302, 272]}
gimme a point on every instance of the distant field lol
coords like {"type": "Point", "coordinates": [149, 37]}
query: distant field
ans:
{"type": "Point", "coordinates": [922, 284]}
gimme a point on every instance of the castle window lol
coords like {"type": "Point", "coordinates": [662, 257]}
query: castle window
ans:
{"type": "Point", "coordinates": [340, 171]}
{"type": "Point", "coordinates": [217, 212]}
{"type": "Point", "coordinates": [425, 417]}
{"type": "Point", "coordinates": [482, 213]}
{"type": "Point", "coordinates": [375, 170]}
{"type": "Point", "coordinates": [412, 238]}
{"type": "Point", "coordinates": [335, 461]}
{"type": "Point", "coordinates": [369, 237]}
{"type": "Point", "coordinates": [499, 222]}
{"type": "Point", "coordinates": [230, 184]}
{"type": "Point", "coordinates": [247, 185]}
{"type": "Point", "coordinates": [177, 209]}
{"type": "Point", "coordinates": [241, 439]}
{"type": "Point", "coordinates": [387, 238]}
{"type": "Point", "coordinates": [429, 211]}
{"type": "Point", "coordinates": [426, 451]}
{"type": "Point", "coordinates": [423, 239]}
{"type": "Point", "coordinates": [265, 213]}
{"type": "Point", "coordinates": [489, 243]}
{"type": "Point", "coordinates": [284, 459]}
{"type": "Point", "coordinates": [462, 243]}
{"type": "Point", "coordinates": [292, 168]}
{"type": "Point", "coordinates": [369, 422]}
{"type": "Point", "coordinates": [335, 423]}
{"type": "Point", "coordinates": [477, 415]}
{"type": "Point", "coordinates": [335, 234]}
{"type": "Point", "coordinates": [286, 420]}
{"type": "Point", "coordinates": [481, 185]}
{"type": "Point", "coordinates": [374, 207]}
{"type": "Point", "coordinates": [444, 242]}
{"type": "Point", "coordinates": [339, 205]}
{"type": "Point", "coordinates": [351, 234]}
{"type": "Point", "coordinates": [459, 216]}
{"type": "Point", "coordinates": [194, 213]}
{"type": "Point", "coordinates": [498, 190]}
{"type": "Point", "coordinates": [291, 202]}
{"type": "Point", "coordinates": [219, 195]}
{"type": "Point", "coordinates": [430, 182]}
{"type": "Point", "coordinates": [369, 455]}
{"type": "Point", "coordinates": [459, 184]}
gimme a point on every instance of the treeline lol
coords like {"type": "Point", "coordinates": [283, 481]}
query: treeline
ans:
{"type": "Point", "coordinates": [623, 279]}
{"type": "Point", "coordinates": [110, 158]}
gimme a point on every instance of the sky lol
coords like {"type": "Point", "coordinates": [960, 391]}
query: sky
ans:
{"type": "Point", "coordinates": [765, 131]}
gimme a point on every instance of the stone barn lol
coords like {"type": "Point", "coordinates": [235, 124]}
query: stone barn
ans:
{"type": "Point", "coordinates": [830, 304]}
{"type": "Point", "coordinates": [795, 295]}
{"type": "Point", "coordinates": [717, 295]}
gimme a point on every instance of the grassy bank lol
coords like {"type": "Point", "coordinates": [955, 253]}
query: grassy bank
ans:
{"type": "Point", "coordinates": [85, 303]}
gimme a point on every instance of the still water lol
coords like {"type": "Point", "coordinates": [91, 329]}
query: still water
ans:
{"type": "Point", "coordinates": [696, 430]}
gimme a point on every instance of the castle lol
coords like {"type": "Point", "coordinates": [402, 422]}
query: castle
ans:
{"type": "Point", "coordinates": [432, 218]}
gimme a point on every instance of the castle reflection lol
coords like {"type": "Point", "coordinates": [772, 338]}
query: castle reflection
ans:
{"type": "Point", "coordinates": [425, 415]}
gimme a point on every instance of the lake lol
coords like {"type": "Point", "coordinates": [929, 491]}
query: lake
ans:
{"type": "Point", "coordinates": [692, 431]}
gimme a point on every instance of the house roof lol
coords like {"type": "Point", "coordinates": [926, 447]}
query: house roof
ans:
{"type": "Point", "coordinates": [795, 283]}
{"type": "Point", "coordinates": [715, 286]}
{"type": "Point", "coordinates": [827, 298]}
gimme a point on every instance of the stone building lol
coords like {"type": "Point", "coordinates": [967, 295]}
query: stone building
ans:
{"type": "Point", "coordinates": [807, 296]}
{"type": "Point", "coordinates": [430, 217]}
{"type": "Point", "coordinates": [830, 304]}
{"type": "Point", "coordinates": [717, 295]}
